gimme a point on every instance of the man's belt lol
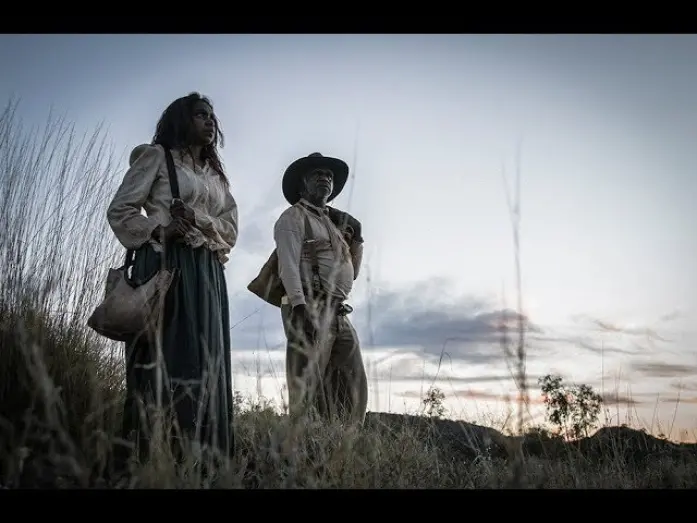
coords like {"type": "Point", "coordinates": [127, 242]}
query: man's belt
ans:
{"type": "Point", "coordinates": [341, 308]}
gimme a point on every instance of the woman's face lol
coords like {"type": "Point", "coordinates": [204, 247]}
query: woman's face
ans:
{"type": "Point", "coordinates": [204, 126]}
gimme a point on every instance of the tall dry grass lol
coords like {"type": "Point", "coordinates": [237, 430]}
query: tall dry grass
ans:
{"type": "Point", "coordinates": [61, 385]}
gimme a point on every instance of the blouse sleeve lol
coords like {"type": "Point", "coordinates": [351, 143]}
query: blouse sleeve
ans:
{"type": "Point", "coordinates": [132, 228]}
{"type": "Point", "coordinates": [226, 223]}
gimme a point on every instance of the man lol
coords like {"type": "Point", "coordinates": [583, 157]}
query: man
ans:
{"type": "Point", "coordinates": [319, 251]}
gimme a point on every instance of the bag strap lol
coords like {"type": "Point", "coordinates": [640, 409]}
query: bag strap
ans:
{"type": "Point", "coordinates": [174, 186]}
{"type": "Point", "coordinates": [312, 246]}
{"type": "Point", "coordinates": [172, 172]}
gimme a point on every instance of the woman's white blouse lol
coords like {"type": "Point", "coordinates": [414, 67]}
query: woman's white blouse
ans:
{"type": "Point", "coordinates": [145, 187]}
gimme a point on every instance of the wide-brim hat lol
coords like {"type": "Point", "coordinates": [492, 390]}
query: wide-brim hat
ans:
{"type": "Point", "coordinates": [292, 179]}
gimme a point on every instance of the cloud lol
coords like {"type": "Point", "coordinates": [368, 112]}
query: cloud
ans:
{"type": "Point", "coordinates": [256, 238]}
{"type": "Point", "coordinates": [429, 318]}
{"type": "Point", "coordinates": [255, 324]}
{"type": "Point", "coordinates": [681, 385]}
{"type": "Point", "coordinates": [586, 343]}
{"type": "Point", "coordinates": [256, 228]}
{"type": "Point", "coordinates": [455, 379]}
{"type": "Point", "coordinates": [629, 330]}
{"type": "Point", "coordinates": [477, 395]}
{"type": "Point", "coordinates": [618, 399]}
{"type": "Point", "coordinates": [664, 370]}
{"type": "Point", "coordinates": [534, 399]}
{"type": "Point", "coordinates": [677, 399]}
{"type": "Point", "coordinates": [671, 316]}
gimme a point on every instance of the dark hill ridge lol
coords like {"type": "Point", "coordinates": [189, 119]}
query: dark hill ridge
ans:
{"type": "Point", "coordinates": [461, 440]}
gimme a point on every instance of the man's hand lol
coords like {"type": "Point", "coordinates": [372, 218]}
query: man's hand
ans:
{"type": "Point", "coordinates": [302, 324]}
{"type": "Point", "coordinates": [179, 209]}
{"type": "Point", "coordinates": [347, 224]}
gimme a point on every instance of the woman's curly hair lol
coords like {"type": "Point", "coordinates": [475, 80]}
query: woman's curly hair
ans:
{"type": "Point", "coordinates": [175, 127]}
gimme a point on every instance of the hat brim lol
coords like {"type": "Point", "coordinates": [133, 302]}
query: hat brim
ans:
{"type": "Point", "coordinates": [292, 178]}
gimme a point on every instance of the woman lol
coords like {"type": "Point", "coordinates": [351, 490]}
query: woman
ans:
{"type": "Point", "coordinates": [194, 234]}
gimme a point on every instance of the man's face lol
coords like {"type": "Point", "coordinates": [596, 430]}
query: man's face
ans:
{"type": "Point", "coordinates": [204, 125]}
{"type": "Point", "coordinates": [319, 183]}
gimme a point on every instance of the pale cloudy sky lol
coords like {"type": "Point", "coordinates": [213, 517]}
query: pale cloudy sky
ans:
{"type": "Point", "coordinates": [605, 127]}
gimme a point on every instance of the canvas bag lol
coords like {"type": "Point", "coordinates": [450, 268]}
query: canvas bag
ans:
{"type": "Point", "coordinates": [133, 308]}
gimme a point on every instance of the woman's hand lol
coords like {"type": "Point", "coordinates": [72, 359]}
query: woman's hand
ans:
{"type": "Point", "coordinates": [179, 209]}
{"type": "Point", "coordinates": [175, 230]}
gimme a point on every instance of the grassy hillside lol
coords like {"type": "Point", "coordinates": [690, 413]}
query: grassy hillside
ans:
{"type": "Point", "coordinates": [61, 386]}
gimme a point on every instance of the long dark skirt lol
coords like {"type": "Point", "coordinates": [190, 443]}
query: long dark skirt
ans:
{"type": "Point", "coordinates": [197, 381]}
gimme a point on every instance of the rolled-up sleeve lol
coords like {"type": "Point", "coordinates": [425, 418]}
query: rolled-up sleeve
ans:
{"type": "Point", "coordinates": [288, 234]}
{"type": "Point", "coordinates": [130, 226]}
{"type": "Point", "coordinates": [226, 224]}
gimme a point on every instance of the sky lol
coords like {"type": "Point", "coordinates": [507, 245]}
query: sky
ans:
{"type": "Point", "coordinates": [600, 130]}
